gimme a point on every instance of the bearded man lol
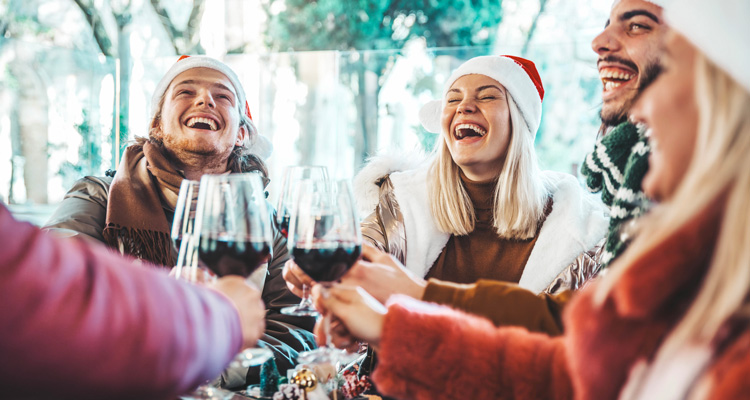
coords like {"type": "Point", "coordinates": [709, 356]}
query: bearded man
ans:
{"type": "Point", "coordinates": [200, 124]}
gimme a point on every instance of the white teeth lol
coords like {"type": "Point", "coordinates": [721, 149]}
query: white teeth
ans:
{"type": "Point", "coordinates": [611, 74]}
{"type": "Point", "coordinates": [192, 121]}
{"type": "Point", "coordinates": [474, 128]}
{"type": "Point", "coordinates": [609, 85]}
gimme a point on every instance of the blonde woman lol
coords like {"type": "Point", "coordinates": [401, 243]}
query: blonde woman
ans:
{"type": "Point", "coordinates": [481, 208]}
{"type": "Point", "coordinates": [671, 320]}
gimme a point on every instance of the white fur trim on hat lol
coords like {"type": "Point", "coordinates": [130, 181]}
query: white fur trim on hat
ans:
{"type": "Point", "coordinates": [508, 73]}
{"type": "Point", "coordinates": [719, 28]}
{"type": "Point", "coordinates": [257, 143]}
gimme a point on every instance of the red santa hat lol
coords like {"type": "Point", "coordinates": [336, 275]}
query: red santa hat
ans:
{"type": "Point", "coordinates": [719, 28]}
{"type": "Point", "coordinates": [256, 143]}
{"type": "Point", "coordinates": [519, 77]}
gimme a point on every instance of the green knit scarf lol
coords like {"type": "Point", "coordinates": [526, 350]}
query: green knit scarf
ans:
{"type": "Point", "coordinates": [616, 167]}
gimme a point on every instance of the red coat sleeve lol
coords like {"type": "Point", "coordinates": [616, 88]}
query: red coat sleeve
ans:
{"type": "Point", "coordinates": [79, 321]}
{"type": "Point", "coordinates": [429, 351]}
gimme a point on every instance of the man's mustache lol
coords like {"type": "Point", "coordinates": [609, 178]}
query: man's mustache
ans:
{"type": "Point", "coordinates": [619, 60]}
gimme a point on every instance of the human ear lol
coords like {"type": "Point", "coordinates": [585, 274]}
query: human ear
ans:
{"type": "Point", "coordinates": [241, 135]}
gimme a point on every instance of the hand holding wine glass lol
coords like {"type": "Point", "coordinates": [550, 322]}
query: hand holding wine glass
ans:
{"type": "Point", "coordinates": [233, 234]}
{"type": "Point", "coordinates": [324, 241]}
{"type": "Point", "coordinates": [292, 176]}
{"type": "Point", "coordinates": [358, 315]}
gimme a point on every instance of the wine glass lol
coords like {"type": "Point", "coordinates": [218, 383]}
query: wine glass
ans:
{"type": "Point", "coordinates": [233, 234]}
{"type": "Point", "coordinates": [325, 241]}
{"type": "Point", "coordinates": [292, 176]}
{"type": "Point", "coordinates": [187, 267]}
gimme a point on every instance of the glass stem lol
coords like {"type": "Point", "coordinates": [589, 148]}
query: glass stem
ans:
{"type": "Point", "coordinates": [305, 295]}
{"type": "Point", "coordinates": [327, 329]}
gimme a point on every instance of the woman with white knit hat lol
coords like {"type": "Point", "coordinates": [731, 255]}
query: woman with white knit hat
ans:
{"type": "Point", "coordinates": [671, 319]}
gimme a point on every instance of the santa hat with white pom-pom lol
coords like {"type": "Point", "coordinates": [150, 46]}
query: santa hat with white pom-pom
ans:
{"type": "Point", "coordinates": [256, 143]}
{"type": "Point", "coordinates": [519, 77]}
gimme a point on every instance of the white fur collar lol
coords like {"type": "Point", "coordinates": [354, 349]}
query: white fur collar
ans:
{"type": "Point", "coordinates": [366, 189]}
{"type": "Point", "coordinates": [578, 220]}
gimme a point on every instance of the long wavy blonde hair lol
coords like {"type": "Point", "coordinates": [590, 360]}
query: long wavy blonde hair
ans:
{"type": "Point", "coordinates": [720, 164]}
{"type": "Point", "coordinates": [520, 193]}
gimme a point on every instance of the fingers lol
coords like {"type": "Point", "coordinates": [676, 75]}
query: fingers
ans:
{"type": "Point", "coordinates": [247, 300]}
{"type": "Point", "coordinates": [361, 314]}
{"type": "Point", "coordinates": [340, 335]}
{"type": "Point", "coordinates": [370, 252]}
{"type": "Point", "coordinates": [295, 278]}
{"type": "Point", "coordinates": [374, 255]}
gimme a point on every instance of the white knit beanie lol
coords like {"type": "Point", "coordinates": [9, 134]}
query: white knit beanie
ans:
{"type": "Point", "coordinates": [256, 143]}
{"type": "Point", "coordinates": [519, 77]}
{"type": "Point", "coordinates": [719, 28]}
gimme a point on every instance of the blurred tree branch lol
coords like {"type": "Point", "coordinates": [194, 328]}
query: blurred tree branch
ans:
{"type": "Point", "coordinates": [185, 41]}
{"type": "Point", "coordinates": [532, 29]}
{"type": "Point", "coordinates": [97, 27]}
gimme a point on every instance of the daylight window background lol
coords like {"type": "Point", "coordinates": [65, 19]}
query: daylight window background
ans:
{"type": "Point", "coordinates": [329, 82]}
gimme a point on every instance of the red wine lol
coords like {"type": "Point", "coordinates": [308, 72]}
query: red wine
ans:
{"type": "Point", "coordinates": [225, 256]}
{"type": "Point", "coordinates": [327, 264]}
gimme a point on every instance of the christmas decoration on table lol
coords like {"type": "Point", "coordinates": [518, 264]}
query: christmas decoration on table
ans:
{"type": "Point", "coordinates": [269, 378]}
{"type": "Point", "coordinates": [289, 392]}
{"type": "Point", "coordinates": [305, 379]}
{"type": "Point", "coordinates": [353, 385]}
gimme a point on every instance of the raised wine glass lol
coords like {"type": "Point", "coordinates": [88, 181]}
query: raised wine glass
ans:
{"type": "Point", "coordinates": [188, 269]}
{"type": "Point", "coordinates": [233, 234]}
{"type": "Point", "coordinates": [183, 223]}
{"type": "Point", "coordinates": [292, 176]}
{"type": "Point", "coordinates": [325, 241]}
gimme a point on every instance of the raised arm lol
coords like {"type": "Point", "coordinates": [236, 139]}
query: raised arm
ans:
{"type": "Point", "coordinates": [96, 326]}
{"type": "Point", "coordinates": [424, 346]}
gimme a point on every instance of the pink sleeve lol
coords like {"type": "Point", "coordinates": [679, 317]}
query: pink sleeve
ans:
{"type": "Point", "coordinates": [79, 321]}
{"type": "Point", "coordinates": [429, 351]}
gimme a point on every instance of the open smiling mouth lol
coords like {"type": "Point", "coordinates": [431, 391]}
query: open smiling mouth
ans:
{"type": "Point", "coordinates": [202, 123]}
{"type": "Point", "coordinates": [613, 78]}
{"type": "Point", "coordinates": [468, 130]}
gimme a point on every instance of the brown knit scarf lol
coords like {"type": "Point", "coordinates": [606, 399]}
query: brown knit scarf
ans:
{"type": "Point", "coordinates": [145, 183]}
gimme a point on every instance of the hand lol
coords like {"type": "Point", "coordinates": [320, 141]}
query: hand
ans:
{"type": "Point", "coordinates": [381, 275]}
{"type": "Point", "coordinates": [248, 302]}
{"type": "Point", "coordinates": [295, 278]}
{"type": "Point", "coordinates": [362, 315]}
{"type": "Point", "coordinates": [340, 335]}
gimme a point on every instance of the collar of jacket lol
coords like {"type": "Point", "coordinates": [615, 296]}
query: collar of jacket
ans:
{"type": "Point", "coordinates": [676, 264]}
{"type": "Point", "coordinates": [578, 220]}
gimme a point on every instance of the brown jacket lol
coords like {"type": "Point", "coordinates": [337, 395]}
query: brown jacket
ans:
{"type": "Point", "coordinates": [503, 303]}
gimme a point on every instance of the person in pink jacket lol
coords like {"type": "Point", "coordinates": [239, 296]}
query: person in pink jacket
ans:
{"type": "Point", "coordinates": [78, 321]}
{"type": "Point", "coordinates": [671, 317]}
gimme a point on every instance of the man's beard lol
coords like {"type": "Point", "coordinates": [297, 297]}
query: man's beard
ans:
{"type": "Point", "coordinates": [620, 115]}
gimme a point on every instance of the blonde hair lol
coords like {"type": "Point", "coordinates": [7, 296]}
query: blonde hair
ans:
{"type": "Point", "coordinates": [520, 193]}
{"type": "Point", "coordinates": [720, 166]}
